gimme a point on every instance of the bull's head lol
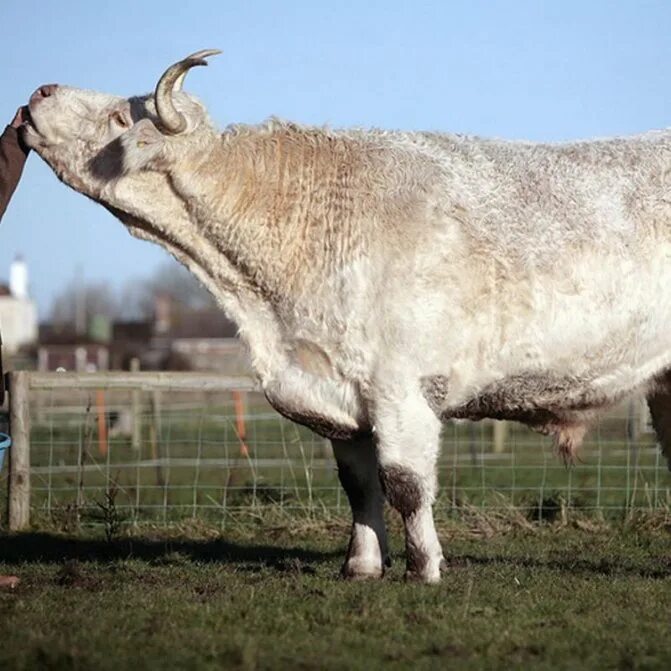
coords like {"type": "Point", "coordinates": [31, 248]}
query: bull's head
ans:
{"type": "Point", "coordinates": [89, 138]}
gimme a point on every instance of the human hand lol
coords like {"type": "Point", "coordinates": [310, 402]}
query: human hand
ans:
{"type": "Point", "coordinates": [20, 117]}
{"type": "Point", "coordinates": [10, 581]}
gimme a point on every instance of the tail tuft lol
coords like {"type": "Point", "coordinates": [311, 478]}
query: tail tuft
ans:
{"type": "Point", "coordinates": [567, 441]}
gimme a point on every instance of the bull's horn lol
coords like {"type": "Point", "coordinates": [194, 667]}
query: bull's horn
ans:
{"type": "Point", "coordinates": [172, 121]}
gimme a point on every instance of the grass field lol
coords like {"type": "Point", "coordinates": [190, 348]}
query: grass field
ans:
{"type": "Point", "coordinates": [206, 559]}
{"type": "Point", "coordinates": [265, 595]}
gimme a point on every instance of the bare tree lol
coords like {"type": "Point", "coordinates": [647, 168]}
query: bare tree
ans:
{"type": "Point", "coordinates": [78, 303]}
{"type": "Point", "coordinates": [171, 279]}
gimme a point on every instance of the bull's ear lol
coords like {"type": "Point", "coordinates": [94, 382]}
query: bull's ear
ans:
{"type": "Point", "coordinates": [144, 134]}
{"type": "Point", "coordinates": [141, 145]}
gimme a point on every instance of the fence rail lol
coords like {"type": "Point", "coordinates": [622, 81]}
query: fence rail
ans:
{"type": "Point", "coordinates": [162, 381]}
{"type": "Point", "coordinates": [162, 446]}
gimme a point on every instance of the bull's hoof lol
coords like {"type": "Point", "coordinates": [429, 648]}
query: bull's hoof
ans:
{"type": "Point", "coordinates": [354, 569]}
{"type": "Point", "coordinates": [425, 578]}
{"type": "Point", "coordinates": [427, 572]}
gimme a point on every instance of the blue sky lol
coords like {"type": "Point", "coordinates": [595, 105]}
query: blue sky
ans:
{"type": "Point", "coordinates": [522, 69]}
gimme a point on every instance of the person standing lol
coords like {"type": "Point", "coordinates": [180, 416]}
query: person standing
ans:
{"type": "Point", "coordinates": [13, 155]}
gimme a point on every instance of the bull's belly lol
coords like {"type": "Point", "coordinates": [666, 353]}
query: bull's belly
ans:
{"type": "Point", "coordinates": [546, 351]}
{"type": "Point", "coordinates": [565, 392]}
{"type": "Point", "coordinates": [537, 399]}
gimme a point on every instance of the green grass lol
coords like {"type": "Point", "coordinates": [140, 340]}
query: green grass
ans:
{"type": "Point", "coordinates": [266, 596]}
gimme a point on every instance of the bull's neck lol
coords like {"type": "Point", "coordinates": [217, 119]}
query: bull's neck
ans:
{"type": "Point", "coordinates": [279, 205]}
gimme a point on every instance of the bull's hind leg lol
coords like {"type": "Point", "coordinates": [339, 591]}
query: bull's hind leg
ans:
{"type": "Point", "coordinates": [659, 403]}
{"type": "Point", "coordinates": [367, 554]}
{"type": "Point", "coordinates": [408, 434]}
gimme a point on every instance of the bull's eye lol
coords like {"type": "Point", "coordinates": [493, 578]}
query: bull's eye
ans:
{"type": "Point", "coordinates": [119, 119]}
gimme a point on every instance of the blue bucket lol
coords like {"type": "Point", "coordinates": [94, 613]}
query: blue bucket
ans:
{"type": "Point", "coordinates": [5, 444]}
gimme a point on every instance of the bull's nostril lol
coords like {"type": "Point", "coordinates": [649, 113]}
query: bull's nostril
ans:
{"type": "Point", "coordinates": [43, 92]}
{"type": "Point", "coordinates": [47, 90]}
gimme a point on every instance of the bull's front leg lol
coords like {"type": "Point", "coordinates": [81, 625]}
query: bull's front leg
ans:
{"type": "Point", "coordinates": [408, 435]}
{"type": "Point", "coordinates": [367, 554]}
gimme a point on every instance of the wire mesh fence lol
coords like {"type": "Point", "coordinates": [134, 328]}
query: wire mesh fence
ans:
{"type": "Point", "coordinates": [138, 455]}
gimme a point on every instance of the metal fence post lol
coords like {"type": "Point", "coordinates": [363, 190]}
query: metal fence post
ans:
{"type": "Point", "coordinates": [19, 454]}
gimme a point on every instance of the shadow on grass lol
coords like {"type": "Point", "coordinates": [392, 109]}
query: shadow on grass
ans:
{"type": "Point", "coordinates": [661, 570]}
{"type": "Point", "coordinates": [50, 548]}
{"type": "Point", "coordinates": [43, 548]}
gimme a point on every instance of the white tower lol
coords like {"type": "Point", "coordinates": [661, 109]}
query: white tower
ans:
{"type": "Point", "coordinates": [18, 314]}
{"type": "Point", "coordinates": [18, 278]}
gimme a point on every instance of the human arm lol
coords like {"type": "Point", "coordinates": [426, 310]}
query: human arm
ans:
{"type": "Point", "coordinates": [13, 155]}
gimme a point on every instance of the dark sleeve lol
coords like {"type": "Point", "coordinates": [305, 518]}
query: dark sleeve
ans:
{"type": "Point", "coordinates": [13, 155]}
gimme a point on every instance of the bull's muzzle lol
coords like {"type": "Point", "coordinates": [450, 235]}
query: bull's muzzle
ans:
{"type": "Point", "coordinates": [41, 93]}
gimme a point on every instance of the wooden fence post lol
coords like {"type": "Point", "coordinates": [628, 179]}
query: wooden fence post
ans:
{"type": "Point", "coordinates": [103, 443]}
{"type": "Point", "coordinates": [155, 435]}
{"type": "Point", "coordinates": [19, 453]}
{"type": "Point", "coordinates": [136, 420]}
{"type": "Point", "coordinates": [240, 427]}
{"type": "Point", "coordinates": [500, 432]}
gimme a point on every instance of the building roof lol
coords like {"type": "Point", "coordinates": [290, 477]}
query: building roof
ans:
{"type": "Point", "coordinates": [205, 323]}
{"type": "Point", "coordinates": [136, 331]}
{"type": "Point", "coordinates": [56, 334]}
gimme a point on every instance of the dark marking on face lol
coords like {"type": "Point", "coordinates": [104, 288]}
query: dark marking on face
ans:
{"type": "Point", "coordinates": [108, 162]}
{"type": "Point", "coordinates": [402, 489]}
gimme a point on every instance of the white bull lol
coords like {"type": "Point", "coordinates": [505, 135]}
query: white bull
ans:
{"type": "Point", "coordinates": [387, 281]}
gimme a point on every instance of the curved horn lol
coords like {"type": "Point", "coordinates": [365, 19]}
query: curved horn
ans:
{"type": "Point", "coordinates": [173, 122]}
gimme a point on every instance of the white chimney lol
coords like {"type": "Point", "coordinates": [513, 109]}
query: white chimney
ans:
{"type": "Point", "coordinates": [18, 278]}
